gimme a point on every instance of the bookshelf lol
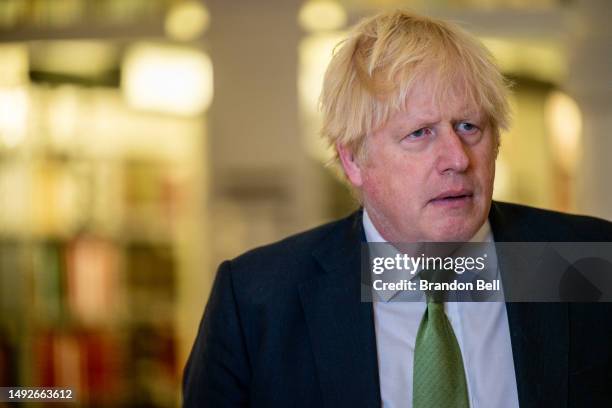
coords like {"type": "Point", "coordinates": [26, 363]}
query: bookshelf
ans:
{"type": "Point", "coordinates": [99, 216]}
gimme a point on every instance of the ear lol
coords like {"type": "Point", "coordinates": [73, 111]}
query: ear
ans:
{"type": "Point", "coordinates": [350, 165]}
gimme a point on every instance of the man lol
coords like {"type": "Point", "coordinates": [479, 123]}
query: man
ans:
{"type": "Point", "coordinates": [413, 107]}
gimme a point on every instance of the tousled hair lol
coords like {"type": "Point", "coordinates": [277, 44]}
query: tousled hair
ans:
{"type": "Point", "coordinates": [373, 70]}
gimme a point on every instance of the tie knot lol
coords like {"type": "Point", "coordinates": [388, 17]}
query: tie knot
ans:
{"type": "Point", "coordinates": [433, 300]}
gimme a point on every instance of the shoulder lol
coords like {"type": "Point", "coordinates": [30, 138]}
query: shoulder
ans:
{"type": "Point", "coordinates": [282, 264]}
{"type": "Point", "coordinates": [546, 225]}
{"type": "Point", "coordinates": [295, 246]}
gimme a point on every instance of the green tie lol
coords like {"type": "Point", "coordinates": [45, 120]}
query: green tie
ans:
{"type": "Point", "coordinates": [438, 376]}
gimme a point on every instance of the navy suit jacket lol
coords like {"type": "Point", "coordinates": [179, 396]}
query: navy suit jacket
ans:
{"type": "Point", "coordinates": [285, 327]}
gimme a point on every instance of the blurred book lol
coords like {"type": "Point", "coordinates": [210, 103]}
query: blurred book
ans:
{"type": "Point", "coordinates": [92, 363]}
{"type": "Point", "coordinates": [92, 281]}
{"type": "Point", "coordinates": [48, 271]}
{"type": "Point", "coordinates": [150, 271]}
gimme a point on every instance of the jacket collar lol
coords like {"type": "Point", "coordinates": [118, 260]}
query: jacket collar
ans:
{"type": "Point", "coordinates": [539, 332]}
{"type": "Point", "coordinates": [340, 325]}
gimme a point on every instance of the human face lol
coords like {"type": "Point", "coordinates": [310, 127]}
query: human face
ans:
{"type": "Point", "coordinates": [427, 174]}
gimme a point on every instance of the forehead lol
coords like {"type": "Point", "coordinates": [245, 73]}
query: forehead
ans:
{"type": "Point", "coordinates": [434, 96]}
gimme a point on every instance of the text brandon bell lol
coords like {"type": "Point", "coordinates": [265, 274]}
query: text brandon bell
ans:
{"type": "Point", "coordinates": [424, 285]}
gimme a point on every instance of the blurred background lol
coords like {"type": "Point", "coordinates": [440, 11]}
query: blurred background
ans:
{"type": "Point", "coordinates": [144, 141]}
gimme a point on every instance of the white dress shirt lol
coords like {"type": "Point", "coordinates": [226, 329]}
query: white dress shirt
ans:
{"type": "Point", "coordinates": [481, 329]}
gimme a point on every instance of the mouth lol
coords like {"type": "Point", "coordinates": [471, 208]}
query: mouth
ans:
{"type": "Point", "coordinates": [453, 197]}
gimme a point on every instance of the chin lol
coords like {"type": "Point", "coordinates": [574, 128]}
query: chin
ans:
{"type": "Point", "coordinates": [453, 231]}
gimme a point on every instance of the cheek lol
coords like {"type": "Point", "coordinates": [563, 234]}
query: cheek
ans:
{"type": "Point", "coordinates": [377, 177]}
{"type": "Point", "coordinates": [393, 183]}
{"type": "Point", "coordinates": [375, 185]}
{"type": "Point", "coordinates": [485, 162]}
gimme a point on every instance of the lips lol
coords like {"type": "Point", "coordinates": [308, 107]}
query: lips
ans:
{"type": "Point", "coordinates": [453, 195]}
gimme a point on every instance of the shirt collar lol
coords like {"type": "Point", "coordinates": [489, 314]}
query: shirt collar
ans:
{"type": "Point", "coordinates": [484, 234]}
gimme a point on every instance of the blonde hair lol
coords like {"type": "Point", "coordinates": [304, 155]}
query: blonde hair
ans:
{"type": "Point", "coordinates": [372, 71]}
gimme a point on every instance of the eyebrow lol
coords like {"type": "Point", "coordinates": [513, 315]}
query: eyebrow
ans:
{"type": "Point", "coordinates": [428, 118]}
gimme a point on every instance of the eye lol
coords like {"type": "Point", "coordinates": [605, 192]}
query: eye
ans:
{"type": "Point", "coordinates": [419, 134]}
{"type": "Point", "coordinates": [467, 128]}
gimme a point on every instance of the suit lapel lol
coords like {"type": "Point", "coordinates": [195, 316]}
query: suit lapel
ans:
{"type": "Point", "coordinates": [341, 327]}
{"type": "Point", "coordinates": [539, 332]}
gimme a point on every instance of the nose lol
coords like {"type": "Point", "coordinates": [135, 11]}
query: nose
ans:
{"type": "Point", "coordinates": [452, 153]}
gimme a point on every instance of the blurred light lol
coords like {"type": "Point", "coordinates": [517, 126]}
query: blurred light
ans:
{"type": "Point", "coordinates": [564, 122]}
{"type": "Point", "coordinates": [14, 106]}
{"type": "Point", "coordinates": [322, 15]}
{"type": "Point", "coordinates": [55, 200]}
{"type": "Point", "coordinates": [187, 20]}
{"type": "Point", "coordinates": [63, 116]}
{"type": "Point", "coordinates": [167, 79]}
{"type": "Point", "coordinates": [76, 57]}
{"type": "Point", "coordinates": [315, 52]}
{"type": "Point", "coordinates": [15, 196]}
{"type": "Point", "coordinates": [502, 185]}
{"type": "Point", "coordinates": [539, 60]}
{"type": "Point", "coordinates": [107, 128]}
{"type": "Point", "coordinates": [14, 64]}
